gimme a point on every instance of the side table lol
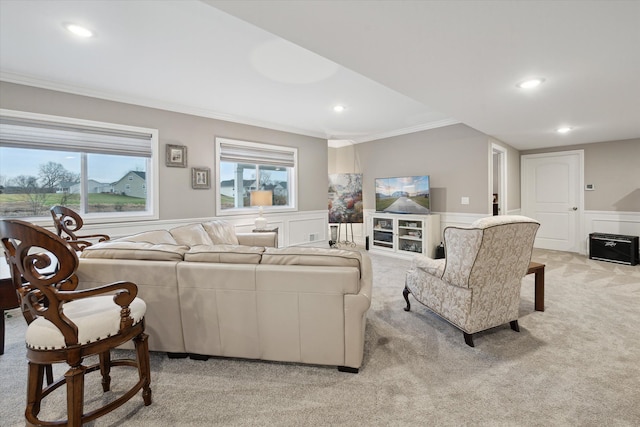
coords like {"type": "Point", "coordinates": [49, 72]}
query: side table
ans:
{"type": "Point", "coordinates": [267, 230]}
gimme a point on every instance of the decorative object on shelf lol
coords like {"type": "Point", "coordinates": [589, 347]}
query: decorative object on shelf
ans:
{"type": "Point", "coordinates": [200, 178]}
{"type": "Point", "coordinates": [176, 156]}
{"type": "Point", "coordinates": [261, 198]}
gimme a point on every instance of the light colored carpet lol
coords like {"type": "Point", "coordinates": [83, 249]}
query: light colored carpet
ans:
{"type": "Point", "coordinates": [576, 364]}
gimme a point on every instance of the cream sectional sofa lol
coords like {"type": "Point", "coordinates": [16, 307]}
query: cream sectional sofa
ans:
{"type": "Point", "coordinates": [212, 292]}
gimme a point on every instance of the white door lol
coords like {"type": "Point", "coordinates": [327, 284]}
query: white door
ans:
{"type": "Point", "coordinates": [552, 194]}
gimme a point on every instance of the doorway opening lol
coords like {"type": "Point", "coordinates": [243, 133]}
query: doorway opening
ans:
{"type": "Point", "coordinates": [498, 180]}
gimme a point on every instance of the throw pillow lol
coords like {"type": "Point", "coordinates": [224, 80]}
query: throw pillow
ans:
{"type": "Point", "coordinates": [191, 235]}
{"type": "Point", "coordinates": [221, 232]}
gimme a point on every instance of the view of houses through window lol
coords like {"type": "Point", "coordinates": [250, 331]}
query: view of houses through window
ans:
{"type": "Point", "coordinates": [32, 180]}
{"type": "Point", "coordinates": [245, 167]}
{"type": "Point", "coordinates": [238, 180]}
{"type": "Point", "coordinates": [91, 167]}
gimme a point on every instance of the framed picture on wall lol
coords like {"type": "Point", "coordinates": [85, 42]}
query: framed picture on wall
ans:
{"type": "Point", "coordinates": [176, 156]}
{"type": "Point", "coordinates": [200, 178]}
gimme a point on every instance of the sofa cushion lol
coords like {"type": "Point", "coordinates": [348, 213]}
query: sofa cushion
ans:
{"type": "Point", "coordinates": [156, 237]}
{"type": "Point", "coordinates": [191, 235]}
{"type": "Point", "coordinates": [311, 256]}
{"type": "Point", "coordinates": [135, 250]}
{"type": "Point", "coordinates": [232, 254]}
{"type": "Point", "coordinates": [221, 232]}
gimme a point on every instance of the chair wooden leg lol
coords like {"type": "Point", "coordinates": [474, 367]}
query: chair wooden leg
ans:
{"type": "Point", "coordinates": [105, 370]}
{"type": "Point", "coordinates": [468, 339]}
{"type": "Point", "coordinates": [48, 369]}
{"type": "Point", "coordinates": [405, 294]}
{"type": "Point", "coordinates": [34, 391]}
{"type": "Point", "coordinates": [74, 378]}
{"type": "Point", "coordinates": [144, 366]}
{"type": "Point", "coordinates": [514, 325]}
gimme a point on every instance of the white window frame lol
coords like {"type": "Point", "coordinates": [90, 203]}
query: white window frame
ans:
{"type": "Point", "coordinates": [153, 184]}
{"type": "Point", "coordinates": [292, 184]}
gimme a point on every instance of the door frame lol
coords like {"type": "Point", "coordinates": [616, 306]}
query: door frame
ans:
{"type": "Point", "coordinates": [526, 200]}
{"type": "Point", "coordinates": [502, 179]}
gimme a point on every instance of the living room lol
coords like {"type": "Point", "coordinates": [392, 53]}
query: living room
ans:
{"type": "Point", "coordinates": [457, 158]}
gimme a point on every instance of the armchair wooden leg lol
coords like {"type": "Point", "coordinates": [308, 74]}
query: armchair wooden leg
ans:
{"type": "Point", "coordinates": [144, 366]}
{"type": "Point", "coordinates": [105, 370]}
{"type": "Point", "coordinates": [514, 325]}
{"type": "Point", "coordinates": [34, 391]}
{"type": "Point", "coordinates": [75, 395]}
{"type": "Point", "coordinates": [405, 294]}
{"type": "Point", "coordinates": [48, 369]}
{"type": "Point", "coordinates": [468, 339]}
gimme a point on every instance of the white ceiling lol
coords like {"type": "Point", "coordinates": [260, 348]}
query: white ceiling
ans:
{"type": "Point", "coordinates": [397, 66]}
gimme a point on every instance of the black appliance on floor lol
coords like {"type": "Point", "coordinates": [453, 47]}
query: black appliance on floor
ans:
{"type": "Point", "coordinates": [614, 248]}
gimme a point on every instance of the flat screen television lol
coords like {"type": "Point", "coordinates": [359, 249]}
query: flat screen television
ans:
{"type": "Point", "coordinates": [403, 195]}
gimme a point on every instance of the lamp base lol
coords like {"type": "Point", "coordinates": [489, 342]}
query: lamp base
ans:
{"type": "Point", "coordinates": [261, 223]}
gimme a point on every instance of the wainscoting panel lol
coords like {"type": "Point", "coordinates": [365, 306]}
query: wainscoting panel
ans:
{"type": "Point", "coordinates": [610, 222]}
{"type": "Point", "coordinates": [294, 228]}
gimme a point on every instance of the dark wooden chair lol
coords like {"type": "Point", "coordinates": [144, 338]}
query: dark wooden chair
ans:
{"type": "Point", "coordinates": [66, 325]}
{"type": "Point", "coordinates": [67, 223]}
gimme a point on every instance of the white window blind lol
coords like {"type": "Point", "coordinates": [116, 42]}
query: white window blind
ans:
{"type": "Point", "coordinates": [28, 133]}
{"type": "Point", "coordinates": [257, 155]}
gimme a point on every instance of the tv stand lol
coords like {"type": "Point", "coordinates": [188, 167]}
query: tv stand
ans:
{"type": "Point", "coordinates": [404, 235]}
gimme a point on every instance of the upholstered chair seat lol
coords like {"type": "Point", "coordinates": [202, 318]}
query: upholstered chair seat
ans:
{"type": "Point", "coordinates": [96, 318]}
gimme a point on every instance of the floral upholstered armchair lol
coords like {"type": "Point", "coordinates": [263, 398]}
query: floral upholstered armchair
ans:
{"type": "Point", "coordinates": [477, 285]}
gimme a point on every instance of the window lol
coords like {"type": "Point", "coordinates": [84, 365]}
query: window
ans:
{"type": "Point", "coordinates": [244, 167]}
{"type": "Point", "coordinates": [94, 168]}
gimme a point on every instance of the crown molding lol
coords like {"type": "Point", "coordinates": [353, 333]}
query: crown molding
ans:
{"type": "Point", "coordinates": [148, 102]}
{"type": "Point", "coordinates": [407, 130]}
{"type": "Point", "coordinates": [27, 80]}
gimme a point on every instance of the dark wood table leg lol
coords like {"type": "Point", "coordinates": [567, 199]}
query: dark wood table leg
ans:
{"type": "Point", "coordinates": [539, 295]}
{"type": "Point", "coordinates": [8, 300]}
{"type": "Point", "coordinates": [2, 332]}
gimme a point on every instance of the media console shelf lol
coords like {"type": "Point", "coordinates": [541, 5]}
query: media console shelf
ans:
{"type": "Point", "coordinates": [404, 234]}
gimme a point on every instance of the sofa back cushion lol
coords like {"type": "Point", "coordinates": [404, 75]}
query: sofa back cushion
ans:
{"type": "Point", "coordinates": [191, 235]}
{"type": "Point", "coordinates": [156, 237]}
{"type": "Point", "coordinates": [231, 254]}
{"type": "Point", "coordinates": [221, 232]}
{"type": "Point", "coordinates": [312, 256]}
{"type": "Point", "coordinates": [135, 250]}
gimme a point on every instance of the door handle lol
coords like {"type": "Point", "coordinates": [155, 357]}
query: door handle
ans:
{"type": "Point", "coordinates": [575, 208]}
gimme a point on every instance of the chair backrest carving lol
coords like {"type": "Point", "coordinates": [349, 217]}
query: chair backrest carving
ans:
{"type": "Point", "coordinates": [43, 268]}
{"type": "Point", "coordinates": [67, 223]}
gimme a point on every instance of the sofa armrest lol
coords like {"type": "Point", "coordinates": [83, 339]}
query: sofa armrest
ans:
{"type": "Point", "coordinates": [266, 239]}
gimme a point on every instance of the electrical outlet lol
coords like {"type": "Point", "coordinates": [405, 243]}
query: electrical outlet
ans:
{"type": "Point", "coordinates": [464, 201]}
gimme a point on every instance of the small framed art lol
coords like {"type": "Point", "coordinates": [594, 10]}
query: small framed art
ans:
{"type": "Point", "coordinates": [176, 156]}
{"type": "Point", "coordinates": [200, 178]}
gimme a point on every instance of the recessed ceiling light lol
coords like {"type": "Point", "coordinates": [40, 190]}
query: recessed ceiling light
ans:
{"type": "Point", "coordinates": [79, 31]}
{"type": "Point", "coordinates": [530, 84]}
{"type": "Point", "coordinates": [564, 129]}
{"type": "Point", "coordinates": [339, 108]}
